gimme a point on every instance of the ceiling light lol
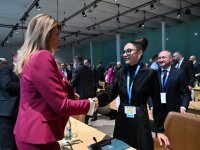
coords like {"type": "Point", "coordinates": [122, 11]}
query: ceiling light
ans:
{"type": "Point", "coordinates": [141, 25]}
{"type": "Point", "coordinates": [83, 14]}
{"type": "Point", "coordinates": [37, 6]}
{"type": "Point", "coordinates": [152, 7]}
{"type": "Point", "coordinates": [117, 19]}
{"type": "Point", "coordinates": [178, 15]}
{"type": "Point", "coordinates": [188, 12]}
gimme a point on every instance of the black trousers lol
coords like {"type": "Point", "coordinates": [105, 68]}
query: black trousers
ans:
{"type": "Point", "coordinates": [7, 139]}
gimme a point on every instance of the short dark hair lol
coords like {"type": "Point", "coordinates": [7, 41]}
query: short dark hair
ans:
{"type": "Point", "coordinates": [78, 58]}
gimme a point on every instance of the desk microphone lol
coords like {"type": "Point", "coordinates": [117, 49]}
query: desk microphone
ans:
{"type": "Point", "coordinates": [97, 144]}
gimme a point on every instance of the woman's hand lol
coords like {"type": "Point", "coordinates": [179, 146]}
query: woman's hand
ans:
{"type": "Point", "coordinates": [163, 139]}
{"type": "Point", "coordinates": [76, 96]}
{"type": "Point", "coordinates": [95, 99]}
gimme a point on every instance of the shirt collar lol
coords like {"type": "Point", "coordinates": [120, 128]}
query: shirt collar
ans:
{"type": "Point", "coordinates": [168, 69]}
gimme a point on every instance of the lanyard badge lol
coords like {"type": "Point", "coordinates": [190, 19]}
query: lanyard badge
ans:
{"type": "Point", "coordinates": [130, 111]}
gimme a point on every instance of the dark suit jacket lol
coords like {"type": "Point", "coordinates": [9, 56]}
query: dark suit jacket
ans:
{"type": "Point", "coordinates": [197, 70]}
{"type": "Point", "coordinates": [100, 73]}
{"type": "Point", "coordinates": [177, 92]}
{"type": "Point", "coordinates": [82, 81]}
{"type": "Point", "coordinates": [197, 67]}
{"type": "Point", "coordinates": [188, 68]}
{"type": "Point", "coordinates": [69, 74]}
{"type": "Point", "coordinates": [9, 92]}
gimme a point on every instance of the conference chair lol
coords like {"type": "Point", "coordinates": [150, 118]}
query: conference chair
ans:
{"type": "Point", "coordinates": [183, 131]}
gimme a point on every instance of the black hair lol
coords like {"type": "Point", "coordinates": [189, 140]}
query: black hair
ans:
{"type": "Point", "coordinates": [140, 43]}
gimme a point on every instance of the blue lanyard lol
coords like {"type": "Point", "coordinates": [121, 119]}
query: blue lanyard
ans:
{"type": "Point", "coordinates": [129, 88]}
{"type": "Point", "coordinates": [163, 84]}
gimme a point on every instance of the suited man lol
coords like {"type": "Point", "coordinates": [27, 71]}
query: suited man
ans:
{"type": "Point", "coordinates": [9, 103]}
{"type": "Point", "coordinates": [67, 73]}
{"type": "Point", "coordinates": [82, 80]}
{"type": "Point", "coordinates": [100, 72]}
{"type": "Point", "coordinates": [196, 66]}
{"type": "Point", "coordinates": [175, 95]}
{"type": "Point", "coordinates": [187, 66]}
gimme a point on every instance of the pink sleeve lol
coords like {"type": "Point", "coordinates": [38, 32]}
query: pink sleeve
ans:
{"type": "Point", "coordinates": [45, 77]}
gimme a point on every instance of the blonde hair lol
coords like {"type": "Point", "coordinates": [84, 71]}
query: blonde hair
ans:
{"type": "Point", "coordinates": [37, 37]}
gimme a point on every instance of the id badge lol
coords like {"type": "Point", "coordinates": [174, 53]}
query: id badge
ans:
{"type": "Point", "coordinates": [130, 111]}
{"type": "Point", "coordinates": [163, 97]}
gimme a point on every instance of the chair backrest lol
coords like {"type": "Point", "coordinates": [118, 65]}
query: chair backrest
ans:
{"type": "Point", "coordinates": [183, 131]}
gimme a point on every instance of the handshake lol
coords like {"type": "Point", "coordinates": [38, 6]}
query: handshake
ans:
{"type": "Point", "coordinates": [94, 104]}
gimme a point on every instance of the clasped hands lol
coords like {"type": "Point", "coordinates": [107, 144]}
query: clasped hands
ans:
{"type": "Point", "coordinates": [95, 99]}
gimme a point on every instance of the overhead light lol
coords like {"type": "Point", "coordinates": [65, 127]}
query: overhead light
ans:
{"type": "Point", "coordinates": [83, 14]}
{"type": "Point", "coordinates": [136, 10]}
{"type": "Point", "coordinates": [37, 6]}
{"type": "Point", "coordinates": [188, 12]}
{"type": "Point", "coordinates": [152, 7]}
{"type": "Point", "coordinates": [117, 19]}
{"type": "Point", "coordinates": [141, 25]}
{"type": "Point", "coordinates": [178, 15]}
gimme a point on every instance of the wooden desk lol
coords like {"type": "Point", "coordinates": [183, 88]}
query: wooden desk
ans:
{"type": "Point", "coordinates": [85, 134]}
{"type": "Point", "coordinates": [197, 93]}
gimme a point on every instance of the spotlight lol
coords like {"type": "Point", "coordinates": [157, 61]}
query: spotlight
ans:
{"type": "Point", "coordinates": [117, 19]}
{"type": "Point", "coordinates": [37, 6]}
{"type": "Point", "coordinates": [188, 12]}
{"type": "Point", "coordinates": [136, 10]}
{"type": "Point", "coordinates": [83, 14]}
{"type": "Point", "coordinates": [178, 15]}
{"type": "Point", "coordinates": [152, 7]}
{"type": "Point", "coordinates": [141, 25]}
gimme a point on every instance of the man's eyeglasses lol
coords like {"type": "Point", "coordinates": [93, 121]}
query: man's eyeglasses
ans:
{"type": "Point", "coordinates": [128, 52]}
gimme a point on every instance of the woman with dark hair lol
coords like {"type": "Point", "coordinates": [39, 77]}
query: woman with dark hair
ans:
{"type": "Point", "coordinates": [134, 84]}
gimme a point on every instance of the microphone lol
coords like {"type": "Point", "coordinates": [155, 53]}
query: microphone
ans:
{"type": "Point", "coordinates": [97, 147]}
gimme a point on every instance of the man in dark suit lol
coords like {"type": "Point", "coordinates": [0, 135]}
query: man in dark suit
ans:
{"type": "Point", "coordinates": [100, 72]}
{"type": "Point", "coordinates": [9, 103]}
{"type": "Point", "coordinates": [82, 80]}
{"type": "Point", "coordinates": [196, 67]}
{"type": "Point", "coordinates": [175, 95]}
{"type": "Point", "coordinates": [181, 63]}
{"type": "Point", "coordinates": [66, 71]}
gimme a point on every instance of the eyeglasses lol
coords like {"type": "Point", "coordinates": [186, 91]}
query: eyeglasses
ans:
{"type": "Point", "coordinates": [128, 51]}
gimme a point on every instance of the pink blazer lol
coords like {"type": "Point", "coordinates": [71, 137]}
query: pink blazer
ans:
{"type": "Point", "coordinates": [46, 101]}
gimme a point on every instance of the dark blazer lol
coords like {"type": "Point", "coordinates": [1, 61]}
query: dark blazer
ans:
{"type": "Point", "coordinates": [9, 92]}
{"type": "Point", "coordinates": [69, 74]}
{"type": "Point", "coordinates": [188, 68]}
{"type": "Point", "coordinates": [100, 73]}
{"type": "Point", "coordinates": [82, 81]}
{"type": "Point", "coordinates": [177, 92]}
{"type": "Point", "coordinates": [197, 69]}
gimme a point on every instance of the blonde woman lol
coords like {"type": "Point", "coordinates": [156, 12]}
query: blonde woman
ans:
{"type": "Point", "coordinates": [46, 100]}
